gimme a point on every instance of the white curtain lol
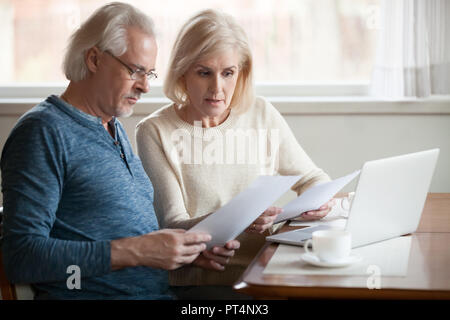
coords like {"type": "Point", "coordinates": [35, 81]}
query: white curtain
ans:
{"type": "Point", "coordinates": [413, 53]}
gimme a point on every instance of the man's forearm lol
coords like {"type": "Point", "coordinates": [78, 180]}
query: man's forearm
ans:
{"type": "Point", "coordinates": [163, 249]}
{"type": "Point", "coordinates": [36, 259]}
{"type": "Point", "coordinates": [124, 253]}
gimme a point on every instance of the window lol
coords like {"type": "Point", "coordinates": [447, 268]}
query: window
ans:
{"type": "Point", "coordinates": [308, 41]}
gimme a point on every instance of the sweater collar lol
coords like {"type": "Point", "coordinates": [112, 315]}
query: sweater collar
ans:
{"type": "Point", "coordinates": [75, 112]}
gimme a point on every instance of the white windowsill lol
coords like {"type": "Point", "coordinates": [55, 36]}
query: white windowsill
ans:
{"type": "Point", "coordinates": [286, 105]}
{"type": "Point", "coordinates": [289, 99]}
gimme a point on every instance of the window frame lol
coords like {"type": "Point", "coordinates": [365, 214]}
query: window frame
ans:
{"type": "Point", "coordinates": [288, 98]}
{"type": "Point", "coordinates": [271, 89]}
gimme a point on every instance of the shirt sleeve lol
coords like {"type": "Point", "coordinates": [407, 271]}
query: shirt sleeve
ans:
{"type": "Point", "coordinates": [292, 159]}
{"type": "Point", "coordinates": [169, 203]}
{"type": "Point", "coordinates": [33, 170]}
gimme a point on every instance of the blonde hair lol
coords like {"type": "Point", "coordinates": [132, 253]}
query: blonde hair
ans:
{"type": "Point", "coordinates": [106, 28]}
{"type": "Point", "coordinates": [203, 35]}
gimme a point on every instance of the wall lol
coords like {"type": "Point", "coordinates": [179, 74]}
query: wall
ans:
{"type": "Point", "coordinates": [338, 136]}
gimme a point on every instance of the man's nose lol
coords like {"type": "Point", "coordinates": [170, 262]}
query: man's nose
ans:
{"type": "Point", "coordinates": [143, 85]}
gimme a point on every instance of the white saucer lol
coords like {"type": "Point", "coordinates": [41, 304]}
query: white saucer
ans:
{"type": "Point", "coordinates": [314, 260]}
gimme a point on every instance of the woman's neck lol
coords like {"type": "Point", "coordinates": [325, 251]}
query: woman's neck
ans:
{"type": "Point", "coordinates": [207, 122]}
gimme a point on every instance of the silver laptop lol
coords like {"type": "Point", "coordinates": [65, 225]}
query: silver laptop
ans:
{"type": "Point", "coordinates": [388, 201]}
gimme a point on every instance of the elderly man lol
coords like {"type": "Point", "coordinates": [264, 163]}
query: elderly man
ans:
{"type": "Point", "coordinates": [77, 201]}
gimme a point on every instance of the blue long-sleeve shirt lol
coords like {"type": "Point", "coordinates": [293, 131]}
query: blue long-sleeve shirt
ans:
{"type": "Point", "coordinates": [69, 188]}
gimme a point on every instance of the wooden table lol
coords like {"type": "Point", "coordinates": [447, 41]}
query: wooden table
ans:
{"type": "Point", "coordinates": [428, 268]}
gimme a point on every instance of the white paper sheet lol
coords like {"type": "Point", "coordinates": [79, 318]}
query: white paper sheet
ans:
{"type": "Point", "coordinates": [314, 197]}
{"type": "Point", "coordinates": [234, 217]}
{"type": "Point", "coordinates": [391, 258]}
{"type": "Point", "coordinates": [334, 222]}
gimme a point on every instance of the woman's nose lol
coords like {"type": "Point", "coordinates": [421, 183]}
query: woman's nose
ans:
{"type": "Point", "coordinates": [215, 84]}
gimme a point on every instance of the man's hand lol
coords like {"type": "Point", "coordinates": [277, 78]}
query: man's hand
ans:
{"type": "Point", "coordinates": [264, 221]}
{"type": "Point", "coordinates": [320, 213]}
{"type": "Point", "coordinates": [217, 257]}
{"type": "Point", "coordinates": [165, 249]}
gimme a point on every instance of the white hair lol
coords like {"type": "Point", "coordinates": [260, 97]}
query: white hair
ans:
{"type": "Point", "coordinates": [106, 29]}
{"type": "Point", "coordinates": [204, 35]}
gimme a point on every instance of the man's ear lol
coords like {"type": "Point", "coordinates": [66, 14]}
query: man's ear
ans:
{"type": "Point", "coordinates": [92, 59]}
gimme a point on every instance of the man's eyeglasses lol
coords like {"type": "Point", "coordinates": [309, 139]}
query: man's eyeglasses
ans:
{"type": "Point", "coordinates": [137, 74]}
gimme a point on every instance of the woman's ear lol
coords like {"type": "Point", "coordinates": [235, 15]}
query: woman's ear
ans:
{"type": "Point", "coordinates": [183, 86]}
{"type": "Point", "coordinates": [92, 59]}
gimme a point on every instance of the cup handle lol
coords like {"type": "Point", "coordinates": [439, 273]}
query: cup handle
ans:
{"type": "Point", "coordinates": [306, 246]}
{"type": "Point", "coordinates": [346, 201]}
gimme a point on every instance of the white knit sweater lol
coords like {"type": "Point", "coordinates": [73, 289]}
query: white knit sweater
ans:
{"type": "Point", "coordinates": [197, 170]}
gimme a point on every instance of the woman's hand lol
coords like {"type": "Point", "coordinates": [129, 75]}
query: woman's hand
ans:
{"type": "Point", "coordinates": [264, 221]}
{"type": "Point", "coordinates": [320, 213]}
{"type": "Point", "coordinates": [217, 257]}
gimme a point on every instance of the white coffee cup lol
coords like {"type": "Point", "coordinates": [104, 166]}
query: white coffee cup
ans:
{"type": "Point", "coordinates": [346, 202]}
{"type": "Point", "coordinates": [330, 245]}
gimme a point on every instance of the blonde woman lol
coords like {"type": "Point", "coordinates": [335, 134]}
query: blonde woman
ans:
{"type": "Point", "coordinates": [213, 141]}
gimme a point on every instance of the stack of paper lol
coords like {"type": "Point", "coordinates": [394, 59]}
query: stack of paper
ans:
{"type": "Point", "coordinates": [314, 197]}
{"type": "Point", "coordinates": [233, 218]}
